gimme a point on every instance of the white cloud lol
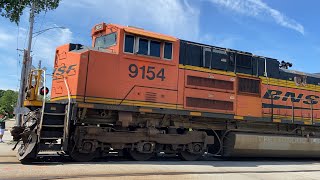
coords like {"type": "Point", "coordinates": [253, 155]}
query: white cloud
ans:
{"type": "Point", "coordinates": [46, 44]}
{"type": "Point", "coordinates": [43, 49]}
{"type": "Point", "coordinates": [5, 38]}
{"type": "Point", "coordinates": [173, 17]}
{"type": "Point", "coordinates": [9, 72]}
{"type": "Point", "coordinates": [228, 42]}
{"type": "Point", "coordinates": [257, 8]}
{"type": "Point", "coordinates": [8, 62]}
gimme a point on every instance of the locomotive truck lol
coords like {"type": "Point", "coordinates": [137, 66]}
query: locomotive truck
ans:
{"type": "Point", "coordinates": [138, 93]}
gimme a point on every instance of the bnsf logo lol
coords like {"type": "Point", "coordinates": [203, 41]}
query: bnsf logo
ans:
{"type": "Point", "coordinates": [62, 70]}
{"type": "Point", "coordinates": [278, 95]}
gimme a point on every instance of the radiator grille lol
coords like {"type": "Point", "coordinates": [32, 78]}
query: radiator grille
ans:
{"type": "Point", "coordinates": [249, 86]}
{"type": "Point", "coordinates": [151, 96]}
{"type": "Point", "coordinates": [209, 104]}
{"type": "Point", "coordinates": [210, 83]}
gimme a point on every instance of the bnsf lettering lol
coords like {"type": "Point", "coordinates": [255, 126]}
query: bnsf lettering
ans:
{"type": "Point", "coordinates": [276, 95]}
{"type": "Point", "coordinates": [311, 98]}
{"type": "Point", "coordinates": [292, 96]}
{"type": "Point", "coordinates": [71, 67]}
{"type": "Point", "coordinates": [272, 94]}
{"type": "Point", "coordinates": [60, 71]}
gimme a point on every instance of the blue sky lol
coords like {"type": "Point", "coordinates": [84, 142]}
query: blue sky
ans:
{"type": "Point", "coordinates": [286, 30]}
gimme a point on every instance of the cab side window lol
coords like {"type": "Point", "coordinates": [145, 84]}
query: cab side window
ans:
{"type": "Point", "coordinates": [106, 41]}
{"type": "Point", "coordinates": [148, 47]}
{"type": "Point", "coordinates": [155, 48]}
{"type": "Point", "coordinates": [167, 50]}
{"type": "Point", "coordinates": [129, 43]}
{"type": "Point", "coordinates": [143, 46]}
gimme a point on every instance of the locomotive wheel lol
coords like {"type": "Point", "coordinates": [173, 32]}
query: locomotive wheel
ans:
{"type": "Point", "coordinates": [27, 151]}
{"type": "Point", "coordinates": [82, 157]}
{"type": "Point", "coordinates": [78, 156]}
{"type": "Point", "coordinates": [126, 153]}
{"type": "Point", "coordinates": [187, 156]}
{"type": "Point", "coordinates": [138, 156]}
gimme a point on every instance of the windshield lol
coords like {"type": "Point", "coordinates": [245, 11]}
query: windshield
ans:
{"type": "Point", "coordinates": [106, 40]}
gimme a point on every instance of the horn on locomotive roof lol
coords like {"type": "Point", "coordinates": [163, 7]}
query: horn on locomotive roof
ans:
{"type": "Point", "coordinates": [285, 65]}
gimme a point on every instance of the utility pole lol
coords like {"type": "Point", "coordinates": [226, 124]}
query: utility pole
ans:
{"type": "Point", "coordinates": [26, 66]}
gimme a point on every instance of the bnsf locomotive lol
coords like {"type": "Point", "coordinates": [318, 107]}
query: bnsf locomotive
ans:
{"type": "Point", "coordinates": [138, 93]}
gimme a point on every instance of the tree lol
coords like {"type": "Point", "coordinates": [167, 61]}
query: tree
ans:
{"type": "Point", "coordinates": [13, 9]}
{"type": "Point", "coordinates": [1, 92]}
{"type": "Point", "coordinates": [8, 101]}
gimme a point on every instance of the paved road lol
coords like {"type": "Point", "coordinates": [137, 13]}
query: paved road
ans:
{"type": "Point", "coordinates": [10, 168]}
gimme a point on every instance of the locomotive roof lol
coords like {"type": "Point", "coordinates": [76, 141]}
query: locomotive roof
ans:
{"type": "Point", "coordinates": [315, 75]}
{"type": "Point", "coordinates": [227, 49]}
{"type": "Point", "coordinates": [140, 31]}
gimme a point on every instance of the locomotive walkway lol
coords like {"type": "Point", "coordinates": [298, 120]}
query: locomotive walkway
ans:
{"type": "Point", "coordinates": [115, 168]}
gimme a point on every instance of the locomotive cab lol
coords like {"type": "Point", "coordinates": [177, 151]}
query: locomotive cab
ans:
{"type": "Point", "coordinates": [124, 66]}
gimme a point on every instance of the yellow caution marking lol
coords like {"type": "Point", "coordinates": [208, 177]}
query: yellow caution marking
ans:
{"type": "Point", "coordinates": [238, 117]}
{"type": "Point", "coordinates": [308, 122]}
{"type": "Point", "coordinates": [195, 113]}
{"type": "Point", "coordinates": [277, 120]}
{"type": "Point", "coordinates": [85, 105]}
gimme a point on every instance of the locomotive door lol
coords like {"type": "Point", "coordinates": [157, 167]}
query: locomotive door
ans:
{"type": "Point", "coordinates": [249, 101]}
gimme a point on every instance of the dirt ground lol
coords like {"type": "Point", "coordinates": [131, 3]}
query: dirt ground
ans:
{"type": "Point", "coordinates": [160, 168]}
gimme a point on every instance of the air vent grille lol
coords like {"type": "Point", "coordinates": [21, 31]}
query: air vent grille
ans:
{"type": "Point", "coordinates": [209, 83]}
{"type": "Point", "coordinates": [151, 96]}
{"type": "Point", "coordinates": [251, 86]}
{"type": "Point", "coordinates": [209, 104]}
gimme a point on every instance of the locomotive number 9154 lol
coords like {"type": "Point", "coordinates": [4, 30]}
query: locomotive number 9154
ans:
{"type": "Point", "coordinates": [149, 72]}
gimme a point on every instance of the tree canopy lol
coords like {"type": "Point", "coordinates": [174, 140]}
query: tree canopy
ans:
{"type": "Point", "coordinates": [13, 9]}
{"type": "Point", "coordinates": [8, 100]}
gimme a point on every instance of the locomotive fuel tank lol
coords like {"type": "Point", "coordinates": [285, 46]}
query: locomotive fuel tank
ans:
{"type": "Point", "coordinates": [238, 144]}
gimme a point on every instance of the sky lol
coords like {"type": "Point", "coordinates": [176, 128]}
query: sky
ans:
{"type": "Point", "coordinates": [286, 30]}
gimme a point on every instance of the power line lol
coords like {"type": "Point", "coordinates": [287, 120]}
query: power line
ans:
{"type": "Point", "coordinates": [25, 40]}
{"type": "Point", "coordinates": [41, 24]}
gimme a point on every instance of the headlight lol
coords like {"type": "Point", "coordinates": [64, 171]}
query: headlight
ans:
{"type": "Point", "coordinates": [99, 27]}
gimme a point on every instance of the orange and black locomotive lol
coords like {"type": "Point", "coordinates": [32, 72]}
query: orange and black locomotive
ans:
{"type": "Point", "coordinates": [139, 93]}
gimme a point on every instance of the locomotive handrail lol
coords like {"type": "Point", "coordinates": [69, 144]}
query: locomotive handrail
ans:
{"type": "Point", "coordinates": [43, 102]}
{"type": "Point", "coordinates": [293, 106]}
{"type": "Point", "coordinates": [66, 132]}
{"type": "Point", "coordinates": [126, 95]}
{"type": "Point", "coordinates": [312, 113]}
{"type": "Point", "coordinates": [265, 68]}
